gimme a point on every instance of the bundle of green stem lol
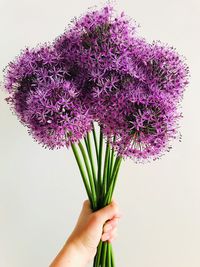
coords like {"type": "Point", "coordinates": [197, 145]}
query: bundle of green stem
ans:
{"type": "Point", "coordinates": [99, 170]}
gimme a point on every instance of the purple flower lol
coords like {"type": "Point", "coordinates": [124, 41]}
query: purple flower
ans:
{"type": "Point", "coordinates": [144, 125]}
{"type": "Point", "coordinates": [167, 71]}
{"type": "Point", "coordinates": [45, 99]}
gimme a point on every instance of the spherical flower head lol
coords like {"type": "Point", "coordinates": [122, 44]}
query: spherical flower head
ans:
{"type": "Point", "coordinates": [56, 117]}
{"type": "Point", "coordinates": [33, 66]}
{"type": "Point", "coordinates": [167, 71]}
{"type": "Point", "coordinates": [143, 126]}
{"type": "Point", "coordinates": [98, 43]}
{"type": "Point", "coordinates": [45, 99]}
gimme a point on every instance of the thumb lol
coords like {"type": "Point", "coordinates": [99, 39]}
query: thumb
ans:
{"type": "Point", "coordinates": [108, 212]}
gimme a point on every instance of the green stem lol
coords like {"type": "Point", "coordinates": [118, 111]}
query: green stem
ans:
{"type": "Point", "coordinates": [104, 254]}
{"type": "Point", "coordinates": [108, 261]}
{"type": "Point", "coordinates": [108, 196]}
{"type": "Point", "coordinates": [83, 175]}
{"type": "Point", "coordinates": [112, 157]}
{"type": "Point", "coordinates": [95, 142]}
{"type": "Point", "coordinates": [99, 248]}
{"type": "Point", "coordinates": [105, 176]}
{"type": "Point", "coordinates": [86, 143]}
{"type": "Point", "coordinates": [100, 161]}
{"type": "Point", "coordinates": [108, 172]}
{"type": "Point", "coordinates": [112, 256]}
{"type": "Point", "coordinates": [114, 182]}
{"type": "Point", "coordinates": [89, 149]}
{"type": "Point", "coordinates": [92, 185]}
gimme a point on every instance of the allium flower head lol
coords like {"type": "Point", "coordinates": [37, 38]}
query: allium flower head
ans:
{"type": "Point", "coordinates": [98, 43]}
{"type": "Point", "coordinates": [45, 99]}
{"type": "Point", "coordinates": [143, 126]}
{"type": "Point", "coordinates": [167, 70]}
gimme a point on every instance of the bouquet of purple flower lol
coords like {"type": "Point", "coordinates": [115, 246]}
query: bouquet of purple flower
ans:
{"type": "Point", "coordinates": [100, 75]}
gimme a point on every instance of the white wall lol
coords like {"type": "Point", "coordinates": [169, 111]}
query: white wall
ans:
{"type": "Point", "coordinates": [41, 192]}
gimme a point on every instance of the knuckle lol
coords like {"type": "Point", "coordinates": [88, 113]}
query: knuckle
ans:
{"type": "Point", "coordinates": [86, 203]}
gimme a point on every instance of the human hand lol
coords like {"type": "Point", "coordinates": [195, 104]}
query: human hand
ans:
{"type": "Point", "coordinates": [91, 227]}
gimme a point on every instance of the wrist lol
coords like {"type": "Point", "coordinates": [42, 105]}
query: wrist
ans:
{"type": "Point", "coordinates": [72, 254]}
{"type": "Point", "coordinates": [78, 251]}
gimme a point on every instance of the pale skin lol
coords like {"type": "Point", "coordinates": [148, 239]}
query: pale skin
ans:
{"type": "Point", "coordinates": [80, 248]}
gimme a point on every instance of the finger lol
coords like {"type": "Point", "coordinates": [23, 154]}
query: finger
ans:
{"type": "Point", "coordinates": [109, 235]}
{"type": "Point", "coordinates": [110, 232]}
{"type": "Point", "coordinates": [107, 227]}
{"type": "Point", "coordinates": [105, 237]}
{"type": "Point", "coordinates": [110, 225]}
{"type": "Point", "coordinates": [113, 236]}
{"type": "Point", "coordinates": [108, 212]}
{"type": "Point", "coordinates": [113, 233]}
{"type": "Point", "coordinates": [114, 221]}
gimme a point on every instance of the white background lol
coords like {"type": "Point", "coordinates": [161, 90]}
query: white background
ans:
{"type": "Point", "coordinates": [41, 191]}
